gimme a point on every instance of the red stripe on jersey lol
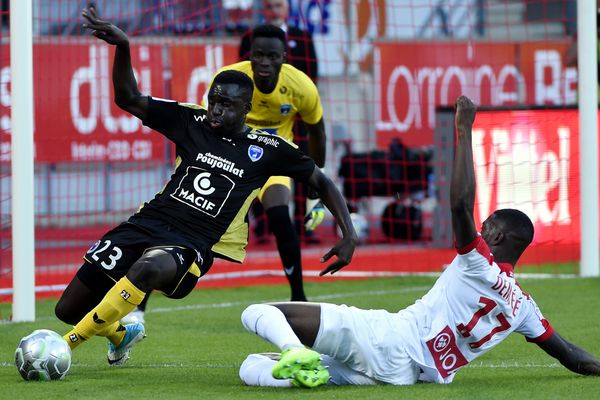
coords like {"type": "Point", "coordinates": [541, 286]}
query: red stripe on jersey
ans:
{"type": "Point", "coordinates": [507, 269]}
{"type": "Point", "coordinates": [544, 336]}
{"type": "Point", "coordinates": [480, 245]}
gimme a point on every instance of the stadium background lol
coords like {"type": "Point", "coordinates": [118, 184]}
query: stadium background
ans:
{"type": "Point", "coordinates": [388, 72]}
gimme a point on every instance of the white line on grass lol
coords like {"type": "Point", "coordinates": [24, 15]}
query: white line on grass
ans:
{"type": "Point", "coordinates": [229, 304]}
{"type": "Point", "coordinates": [270, 272]}
{"type": "Point", "coordinates": [234, 365]}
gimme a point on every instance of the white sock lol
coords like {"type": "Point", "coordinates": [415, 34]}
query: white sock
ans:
{"type": "Point", "coordinates": [269, 323]}
{"type": "Point", "coordinates": [256, 370]}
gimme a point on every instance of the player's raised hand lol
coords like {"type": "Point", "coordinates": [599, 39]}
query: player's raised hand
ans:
{"type": "Point", "coordinates": [104, 30]}
{"type": "Point", "coordinates": [344, 249]}
{"type": "Point", "coordinates": [465, 112]}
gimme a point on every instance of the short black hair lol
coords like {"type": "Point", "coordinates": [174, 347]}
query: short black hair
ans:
{"type": "Point", "coordinates": [238, 78]}
{"type": "Point", "coordinates": [517, 223]}
{"type": "Point", "coordinates": [269, 31]}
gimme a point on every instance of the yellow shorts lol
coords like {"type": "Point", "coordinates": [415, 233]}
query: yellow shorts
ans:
{"type": "Point", "coordinates": [275, 180]}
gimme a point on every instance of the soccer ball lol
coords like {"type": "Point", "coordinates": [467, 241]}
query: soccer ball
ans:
{"type": "Point", "coordinates": [43, 355]}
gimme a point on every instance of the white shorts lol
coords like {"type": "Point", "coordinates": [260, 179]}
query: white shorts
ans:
{"type": "Point", "coordinates": [367, 341]}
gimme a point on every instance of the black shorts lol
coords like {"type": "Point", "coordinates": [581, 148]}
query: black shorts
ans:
{"type": "Point", "coordinates": [110, 258]}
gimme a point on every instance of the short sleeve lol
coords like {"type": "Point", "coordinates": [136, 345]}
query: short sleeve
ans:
{"type": "Point", "coordinates": [310, 108]}
{"type": "Point", "coordinates": [292, 162]}
{"type": "Point", "coordinates": [167, 117]}
{"type": "Point", "coordinates": [534, 327]}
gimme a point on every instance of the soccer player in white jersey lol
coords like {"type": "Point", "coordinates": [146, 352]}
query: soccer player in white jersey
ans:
{"type": "Point", "coordinates": [474, 305]}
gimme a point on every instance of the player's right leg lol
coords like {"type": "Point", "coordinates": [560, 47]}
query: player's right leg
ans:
{"type": "Point", "coordinates": [275, 198]}
{"type": "Point", "coordinates": [290, 326]}
{"type": "Point", "coordinates": [138, 313]}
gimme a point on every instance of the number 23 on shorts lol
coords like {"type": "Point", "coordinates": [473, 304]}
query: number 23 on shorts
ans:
{"type": "Point", "coordinates": [105, 251]}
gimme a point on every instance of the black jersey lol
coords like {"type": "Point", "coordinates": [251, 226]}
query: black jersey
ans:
{"type": "Point", "coordinates": [216, 178]}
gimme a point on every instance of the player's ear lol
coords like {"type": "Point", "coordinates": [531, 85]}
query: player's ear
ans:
{"type": "Point", "coordinates": [497, 237]}
{"type": "Point", "coordinates": [285, 56]}
{"type": "Point", "coordinates": [247, 107]}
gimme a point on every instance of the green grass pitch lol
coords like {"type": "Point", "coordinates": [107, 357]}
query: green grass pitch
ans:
{"type": "Point", "coordinates": [195, 346]}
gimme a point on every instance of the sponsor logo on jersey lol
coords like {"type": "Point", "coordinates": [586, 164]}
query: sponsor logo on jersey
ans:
{"type": "Point", "coordinates": [255, 152]}
{"type": "Point", "coordinates": [199, 117]}
{"type": "Point", "coordinates": [252, 136]}
{"type": "Point", "coordinates": [203, 190]}
{"type": "Point", "coordinates": [269, 141]}
{"type": "Point", "coordinates": [445, 352]}
{"type": "Point", "coordinates": [219, 163]}
{"type": "Point", "coordinates": [285, 109]}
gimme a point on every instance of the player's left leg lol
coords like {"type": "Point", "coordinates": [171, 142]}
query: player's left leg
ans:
{"type": "Point", "coordinates": [256, 370]}
{"type": "Point", "coordinates": [275, 199]}
{"type": "Point", "coordinates": [290, 332]}
{"type": "Point", "coordinates": [83, 294]}
{"type": "Point", "coordinates": [153, 270]}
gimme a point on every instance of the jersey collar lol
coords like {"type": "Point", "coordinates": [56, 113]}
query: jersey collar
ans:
{"type": "Point", "coordinates": [507, 269]}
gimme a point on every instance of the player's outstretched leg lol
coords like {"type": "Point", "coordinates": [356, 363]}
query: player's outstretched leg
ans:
{"type": "Point", "coordinates": [311, 378]}
{"type": "Point", "coordinates": [303, 366]}
{"type": "Point", "coordinates": [119, 354]}
{"type": "Point", "coordinates": [293, 360]}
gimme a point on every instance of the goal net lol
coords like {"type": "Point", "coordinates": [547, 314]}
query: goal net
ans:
{"type": "Point", "coordinates": [388, 73]}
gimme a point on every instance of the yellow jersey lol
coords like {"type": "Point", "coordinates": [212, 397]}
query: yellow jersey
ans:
{"type": "Point", "coordinates": [274, 113]}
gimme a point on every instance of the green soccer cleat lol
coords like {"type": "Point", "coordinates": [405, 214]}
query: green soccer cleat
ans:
{"type": "Point", "coordinates": [311, 378]}
{"type": "Point", "coordinates": [295, 359]}
{"type": "Point", "coordinates": [118, 355]}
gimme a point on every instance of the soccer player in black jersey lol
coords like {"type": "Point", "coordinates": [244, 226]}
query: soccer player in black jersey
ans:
{"type": "Point", "coordinates": [168, 244]}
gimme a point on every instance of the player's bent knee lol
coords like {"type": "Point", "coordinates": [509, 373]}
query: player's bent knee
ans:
{"type": "Point", "coordinates": [153, 270]}
{"type": "Point", "coordinates": [64, 312]}
{"type": "Point", "coordinates": [251, 315]}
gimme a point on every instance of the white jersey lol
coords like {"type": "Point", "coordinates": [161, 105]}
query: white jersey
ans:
{"type": "Point", "coordinates": [473, 306]}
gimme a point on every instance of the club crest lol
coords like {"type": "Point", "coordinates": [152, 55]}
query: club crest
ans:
{"type": "Point", "coordinates": [285, 109]}
{"type": "Point", "coordinates": [255, 152]}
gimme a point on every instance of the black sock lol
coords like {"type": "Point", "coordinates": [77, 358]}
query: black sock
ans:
{"type": "Point", "coordinates": [288, 245]}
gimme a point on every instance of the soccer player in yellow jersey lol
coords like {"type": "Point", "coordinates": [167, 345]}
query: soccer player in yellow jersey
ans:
{"type": "Point", "coordinates": [282, 92]}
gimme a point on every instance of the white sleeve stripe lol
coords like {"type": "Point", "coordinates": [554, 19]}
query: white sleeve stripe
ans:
{"type": "Point", "coordinates": [161, 99]}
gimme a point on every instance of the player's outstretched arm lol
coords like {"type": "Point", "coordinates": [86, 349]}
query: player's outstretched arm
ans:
{"type": "Point", "coordinates": [462, 187]}
{"type": "Point", "coordinates": [333, 200]}
{"type": "Point", "coordinates": [315, 213]}
{"type": "Point", "coordinates": [317, 142]}
{"type": "Point", "coordinates": [127, 94]}
{"type": "Point", "coordinates": [571, 356]}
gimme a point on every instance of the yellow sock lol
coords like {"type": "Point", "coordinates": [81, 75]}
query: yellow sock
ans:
{"type": "Point", "coordinates": [118, 302]}
{"type": "Point", "coordinates": [113, 332]}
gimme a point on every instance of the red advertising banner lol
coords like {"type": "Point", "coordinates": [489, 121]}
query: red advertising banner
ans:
{"type": "Point", "coordinates": [74, 112]}
{"type": "Point", "coordinates": [435, 74]}
{"type": "Point", "coordinates": [193, 67]}
{"type": "Point", "coordinates": [529, 160]}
